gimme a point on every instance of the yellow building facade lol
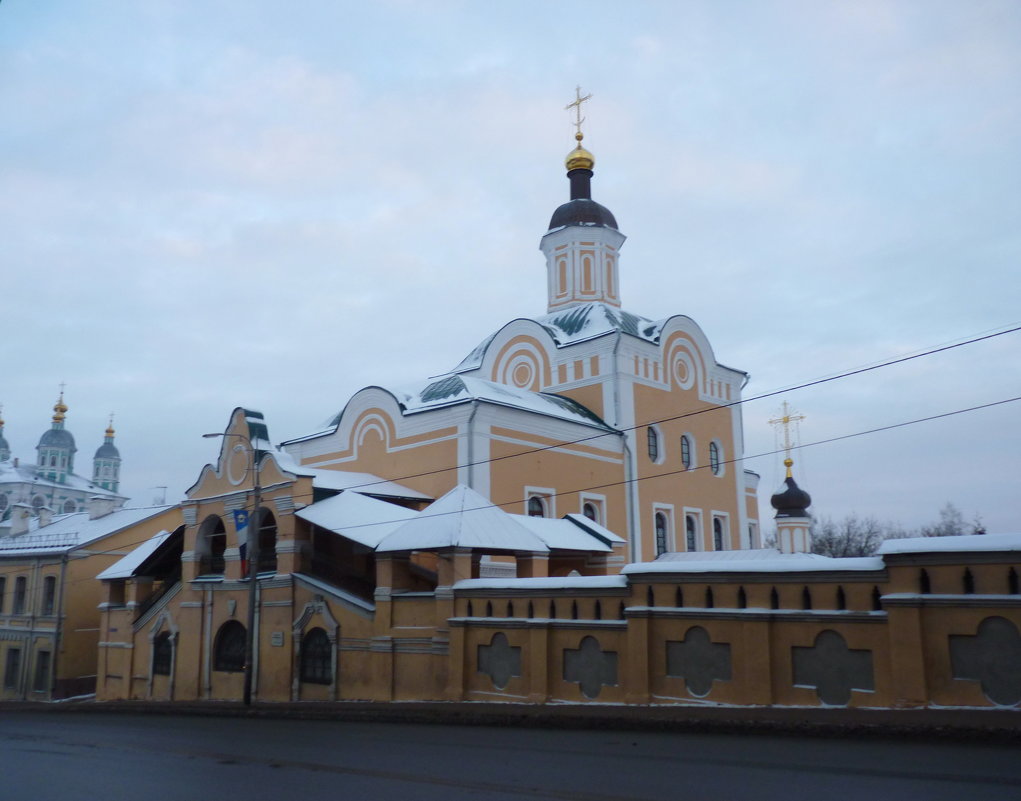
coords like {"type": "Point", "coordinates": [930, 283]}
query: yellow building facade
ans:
{"type": "Point", "coordinates": [49, 596]}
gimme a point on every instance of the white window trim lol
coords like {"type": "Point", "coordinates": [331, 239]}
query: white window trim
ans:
{"type": "Point", "coordinates": [723, 459]}
{"type": "Point", "coordinates": [599, 501]}
{"type": "Point", "coordinates": [693, 451]}
{"type": "Point", "coordinates": [548, 495]}
{"type": "Point", "coordinates": [660, 445]}
{"type": "Point", "coordinates": [724, 518]}
{"type": "Point", "coordinates": [699, 529]}
{"type": "Point", "coordinates": [667, 509]}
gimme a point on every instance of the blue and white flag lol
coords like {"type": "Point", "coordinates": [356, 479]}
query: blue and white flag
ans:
{"type": "Point", "coordinates": [240, 519]}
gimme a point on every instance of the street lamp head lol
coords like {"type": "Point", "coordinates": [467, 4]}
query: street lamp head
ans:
{"type": "Point", "coordinates": [211, 436]}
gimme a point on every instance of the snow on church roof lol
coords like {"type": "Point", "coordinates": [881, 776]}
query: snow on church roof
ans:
{"type": "Point", "coordinates": [566, 534]}
{"type": "Point", "coordinates": [26, 474]}
{"type": "Point", "coordinates": [451, 389]}
{"type": "Point", "coordinates": [358, 517]}
{"type": "Point", "coordinates": [126, 566]}
{"type": "Point", "coordinates": [462, 518]}
{"type": "Point", "coordinates": [73, 531]}
{"type": "Point", "coordinates": [576, 324]}
{"type": "Point", "coordinates": [365, 483]}
{"type": "Point", "coordinates": [964, 542]}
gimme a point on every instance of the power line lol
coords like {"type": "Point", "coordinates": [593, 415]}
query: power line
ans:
{"type": "Point", "coordinates": [770, 394]}
{"type": "Point", "coordinates": [683, 471]}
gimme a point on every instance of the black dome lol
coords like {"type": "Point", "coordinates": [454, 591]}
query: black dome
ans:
{"type": "Point", "coordinates": [582, 211]}
{"type": "Point", "coordinates": [790, 500]}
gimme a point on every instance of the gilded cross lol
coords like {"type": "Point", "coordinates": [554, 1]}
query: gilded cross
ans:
{"type": "Point", "coordinates": [787, 418]}
{"type": "Point", "coordinates": [576, 105]}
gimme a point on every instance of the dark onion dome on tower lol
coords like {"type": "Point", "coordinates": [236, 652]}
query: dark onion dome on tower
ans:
{"type": "Point", "coordinates": [581, 209]}
{"type": "Point", "coordinates": [790, 500]}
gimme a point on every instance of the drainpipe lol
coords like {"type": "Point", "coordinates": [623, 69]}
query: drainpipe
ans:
{"type": "Point", "coordinates": [630, 487]}
{"type": "Point", "coordinates": [471, 443]}
{"type": "Point", "coordinates": [58, 642]}
{"type": "Point", "coordinates": [26, 663]}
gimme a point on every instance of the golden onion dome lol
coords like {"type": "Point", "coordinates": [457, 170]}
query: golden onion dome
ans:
{"type": "Point", "coordinates": [579, 158]}
{"type": "Point", "coordinates": [59, 409]}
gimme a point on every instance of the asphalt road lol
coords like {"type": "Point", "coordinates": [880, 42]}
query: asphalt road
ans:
{"type": "Point", "coordinates": [57, 756]}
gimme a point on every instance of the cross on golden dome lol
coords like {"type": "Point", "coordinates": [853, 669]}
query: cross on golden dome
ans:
{"type": "Point", "coordinates": [788, 417]}
{"type": "Point", "coordinates": [576, 105]}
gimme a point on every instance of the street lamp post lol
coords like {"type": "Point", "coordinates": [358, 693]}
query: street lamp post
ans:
{"type": "Point", "coordinates": [253, 564]}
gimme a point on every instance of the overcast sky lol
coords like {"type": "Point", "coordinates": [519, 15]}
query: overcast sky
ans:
{"type": "Point", "coordinates": [212, 204]}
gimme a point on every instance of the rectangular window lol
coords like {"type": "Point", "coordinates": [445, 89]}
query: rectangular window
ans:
{"type": "Point", "coordinates": [12, 669]}
{"type": "Point", "coordinates": [20, 588]}
{"type": "Point", "coordinates": [49, 594]}
{"type": "Point", "coordinates": [42, 672]}
{"type": "Point", "coordinates": [3, 590]}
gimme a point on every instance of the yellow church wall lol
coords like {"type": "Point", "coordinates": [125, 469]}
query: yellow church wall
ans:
{"type": "Point", "coordinates": [590, 396]}
{"type": "Point", "coordinates": [565, 472]}
{"type": "Point", "coordinates": [416, 461]}
{"type": "Point", "coordinates": [666, 482]}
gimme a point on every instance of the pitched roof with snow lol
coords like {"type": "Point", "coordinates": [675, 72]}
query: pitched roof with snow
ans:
{"type": "Point", "coordinates": [462, 519]}
{"type": "Point", "coordinates": [454, 389]}
{"type": "Point", "coordinates": [126, 566]}
{"type": "Point", "coordinates": [577, 324]}
{"type": "Point", "coordinates": [365, 483]}
{"type": "Point", "coordinates": [67, 532]}
{"type": "Point", "coordinates": [26, 474]}
{"type": "Point", "coordinates": [358, 517]}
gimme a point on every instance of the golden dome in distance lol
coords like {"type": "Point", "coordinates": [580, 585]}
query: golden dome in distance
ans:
{"type": "Point", "coordinates": [59, 409]}
{"type": "Point", "coordinates": [579, 158]}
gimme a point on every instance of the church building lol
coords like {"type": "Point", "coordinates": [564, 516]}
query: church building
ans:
{"type": "Point", "coordinates": [587, 409]}
{"type": "Point", "coordinates": [52, 483]}
{"type": "Point", "coordinates": [594, 456]}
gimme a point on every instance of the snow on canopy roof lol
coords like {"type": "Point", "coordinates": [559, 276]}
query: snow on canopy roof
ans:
{"type": "Point", "coordinates": [964, 542]}
{"type": "Point", "coordinates": [763, 560]}
{"type": "Point", "coordinates": [357, 517]}
{"type": "Point", "coordinates": [576, 324]}
{"type": "Point", "coordinates": [74, 530]}
{"type": "Point", "coordinates": [543, 583]}
{"type": "Point", "coordinates": [126, 566]}
{"type": "Point", "coordinates": [463, 519]}
{"type": "Point", "coordinates": [563, 534]}
{"type": "Point", "coordinates": [595, 529]}
{"type": "Point", "coordinates": [339, 480]}
{"type": "Point", "coordinates": [452, 389]}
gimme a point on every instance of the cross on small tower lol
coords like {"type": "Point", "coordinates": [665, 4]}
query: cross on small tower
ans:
{"type": "Point", "coordinates": [787, 418]}
{"type": "Point", "coordinates": [576, 105]}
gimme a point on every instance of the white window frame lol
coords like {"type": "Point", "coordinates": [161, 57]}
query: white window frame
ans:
{"type": "Point", "coordinates": [599, 501]}
{"type": "Point", "coordinates": [667, 510]}
{"type": "Point", "coordinates": [547, 495]}
{"type": "Point", "coordinates": [660, 444]}
{"type": "Point", "coordinates": [722, 459]}
{"type": "Point", "coordinates": [699, 529]}
{"type": "Point", "coordinates": [692, 451]}
{"type": "Point", "coordinates": [724, 519]}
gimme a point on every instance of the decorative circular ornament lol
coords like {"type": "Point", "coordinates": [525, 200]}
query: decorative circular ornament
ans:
{"type": "Point", "coordinates": [522, 375]}
{"type": "Point", "coordinates": [684, 370]}
{"type": "Point", "coordinates": [237, 464]}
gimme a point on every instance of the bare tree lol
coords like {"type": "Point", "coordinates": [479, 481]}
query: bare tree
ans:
{"type": "Point", "coordinates": [951, 523]}
{"type": "Point", "coordinates": [852, 536]}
